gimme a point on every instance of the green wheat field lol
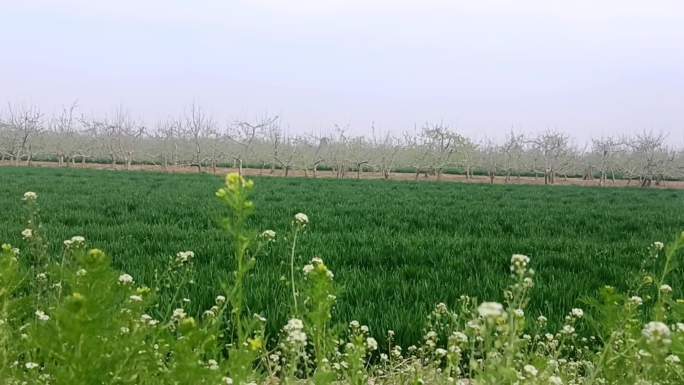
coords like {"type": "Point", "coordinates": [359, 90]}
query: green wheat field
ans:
{"type": "Point", "coordinates": [396, 248]}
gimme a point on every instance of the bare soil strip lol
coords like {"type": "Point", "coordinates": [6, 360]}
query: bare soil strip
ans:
{"type": "Point", "coordinates": [481, 179]}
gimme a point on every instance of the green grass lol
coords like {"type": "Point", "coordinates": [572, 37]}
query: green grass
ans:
{"type": "Point", "coordinates": [396, 248]}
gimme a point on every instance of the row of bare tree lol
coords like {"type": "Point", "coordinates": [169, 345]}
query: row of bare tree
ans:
{"type": "Point", "coordinates": [197, 140]}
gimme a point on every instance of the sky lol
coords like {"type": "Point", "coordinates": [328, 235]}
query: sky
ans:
{"type": "Point", "coordinates": [585, 67]}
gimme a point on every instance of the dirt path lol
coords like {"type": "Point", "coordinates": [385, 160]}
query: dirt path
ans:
{"type": "Point", "coordinates": [363, 175]}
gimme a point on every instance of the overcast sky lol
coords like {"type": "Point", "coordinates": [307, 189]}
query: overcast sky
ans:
{"type": "Point", "coordinates": [587, 67]}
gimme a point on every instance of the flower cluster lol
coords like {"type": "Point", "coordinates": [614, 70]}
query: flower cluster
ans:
{"type": "Point", "coordinates": [294, 331]}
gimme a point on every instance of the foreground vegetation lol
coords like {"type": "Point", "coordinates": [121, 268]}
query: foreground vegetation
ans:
{"type": "Point", "coordinates": [397, 248]}
{"type": "Point", "coordinates": [70, 318]}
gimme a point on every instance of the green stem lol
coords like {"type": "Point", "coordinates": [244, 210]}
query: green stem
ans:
{"type": "Point", "coordinates": [292, 277]}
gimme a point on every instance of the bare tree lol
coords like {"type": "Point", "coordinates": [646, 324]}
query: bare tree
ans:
{"type": "Point", "coordinates": [168, 133]}
{"type": "Point", "coordinates": [652, 158]}
{"type": "Point", "coordinates": [311, 151]}
{"type": "Point", "coordinates": [284, 149]}
{"type": "Point", "coordinates": [490, 158]}
{"type": "Point", "coordinates": [358, 153]}
{"type": "Point", "coordinates": [197, 126]}
{"type": "Point", "coordinates": [386, 153]}
{"type": "Point", "coordinates": [23, 125]}
{"type": "Point", "coordinates": [336, 151]}
{"type": "Point", "coordinates": [245, 136]}
{"type": "Point", "coordinates": [552, 146]}
{"type": "Point", "coordinates": [66, 137]}
{"type": "Point", "coordinates": [606, 150]}
{"type": "Point", "coordinates": [513, 150]}
{"type": "Point", "coordinates": [468, 152]}
{"type": "Point", "coordinates": [441, 143]}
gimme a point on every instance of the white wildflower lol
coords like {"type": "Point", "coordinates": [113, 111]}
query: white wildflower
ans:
{"type": "Point", "coordinates": [519, 313]}
{"type": "Point", "coordinates": [460, 337]}
{"type": "Point", "coordinates": [568, 329]}
{"type": "Point", "coordinates": [519, 262]}
{"type": "Point", "coordinates": [672, 359]}
{"type": "Point", "coordinates": [656, 331]}
{"type": "Point", "coordinates": [490, 310]}
{"type": "Point", "coordinates": [577, 313]}
{"type": "Point", "coordinates": [27, 233]}
{"type": "Point", "coordinates": [372, 344]}
{"type": "Point", "coordinates": [268, 235]}
{"type": "Point", "coordinates": [184, 256]}
{"type": "Point", "coordinates": [31, 365]}
{"type": "Point", "coordinates": [135, 298]}
{"type": "Point", "coordinates": [308, 269]}
{"type": "Point", "coordinates": [658, 245]}
{"type": "Point", "coordinates": [220, 299]}
{"type": "Point", "coordinates": [555, 380]}
{"type": "Point", "coordinates": [125, 279]}
{"type": "Point", "coordinates": [665, 289]}
{"type": "Point", "coordinates": [636, 300]}
{"type": "Point", "coordinates": [42, 316]}
{"type": "Point", "coordinates": [178, 314]}
{"type": "Point", "coordinates": [30, 196]}
{"type": "Point", "coordinates": [212, 365]}
{"type": "Point", "coordinates": [530, 370]}
{"type": "Point", "coordinates": [295, 332]}
{"type": "Point", "coordinates": [301, 219]}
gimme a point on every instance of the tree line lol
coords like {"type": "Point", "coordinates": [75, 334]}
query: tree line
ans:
{"type": "Point", "coordinates": [195, 139]}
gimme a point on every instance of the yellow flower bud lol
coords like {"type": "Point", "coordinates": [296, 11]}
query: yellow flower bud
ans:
{"type": "Point", "coordinates": [256, 344]}
{"type": "Point", "coordinates": [187, 324]}
{"type": "Point", "coordinates": [75, 302]}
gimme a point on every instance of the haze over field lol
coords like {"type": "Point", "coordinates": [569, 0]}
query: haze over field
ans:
{"type": "Point", "coordinates": [584, 67]}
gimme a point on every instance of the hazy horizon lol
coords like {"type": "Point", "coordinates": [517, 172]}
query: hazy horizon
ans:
{"type": "Point", "coordinates": [482, 67]}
